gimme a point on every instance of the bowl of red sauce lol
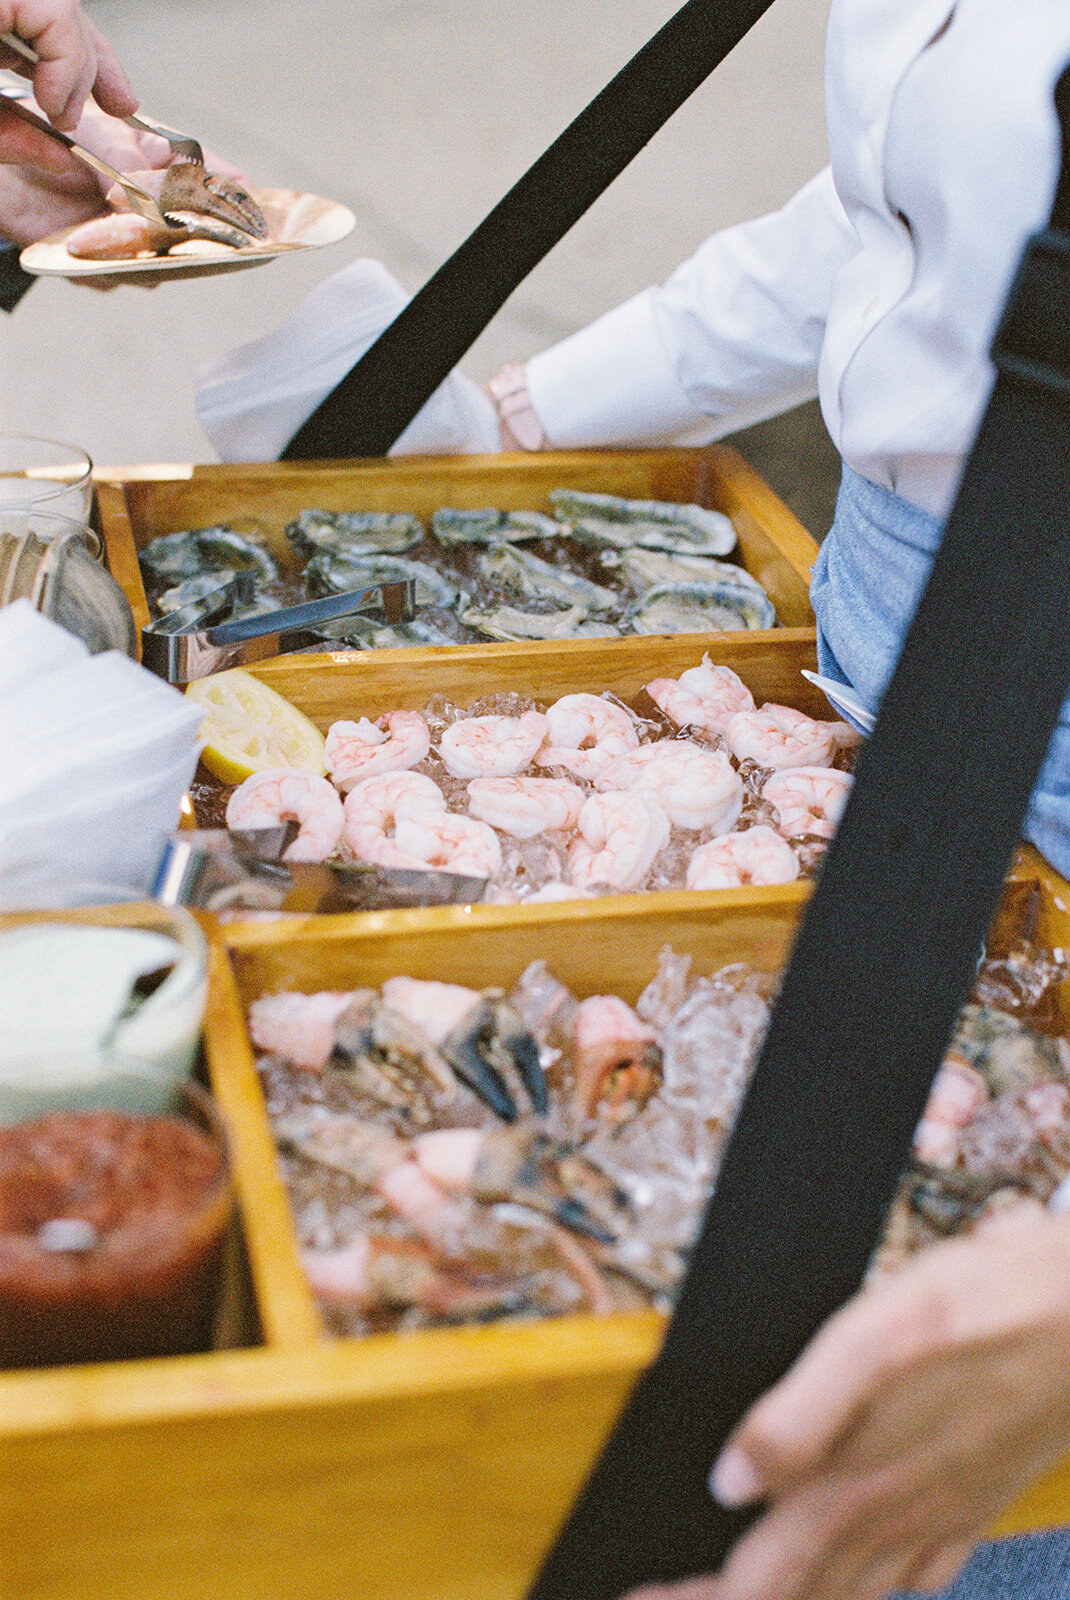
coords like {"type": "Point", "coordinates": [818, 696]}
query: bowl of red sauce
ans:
{"type": "Point", "coordinates": [113, 1231]}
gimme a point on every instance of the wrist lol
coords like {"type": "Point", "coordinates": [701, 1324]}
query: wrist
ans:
{"type": "Point", "coordinates": [520, 426]}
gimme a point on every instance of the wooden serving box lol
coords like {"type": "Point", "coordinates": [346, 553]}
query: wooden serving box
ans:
{"type": "Point", "coordinates": [773, 545]}
{"type": "Point", "coordinates": [435, 1464]}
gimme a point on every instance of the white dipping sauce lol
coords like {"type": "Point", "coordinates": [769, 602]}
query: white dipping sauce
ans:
{"type": "Point", "coordinates": [62, 987]}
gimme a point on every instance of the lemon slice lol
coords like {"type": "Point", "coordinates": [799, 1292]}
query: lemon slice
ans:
{"type": "Point", "coordinates": [248, 727]}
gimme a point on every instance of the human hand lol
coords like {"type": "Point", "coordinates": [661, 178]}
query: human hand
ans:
{"type": "Point", "coordinates": [36, 201]}
{"type": "Point", "coordinates": [74, 62]}
{"type": "Point", "coordinates": [917, 1413]}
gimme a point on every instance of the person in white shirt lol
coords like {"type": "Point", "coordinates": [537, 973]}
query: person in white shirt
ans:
{"type": "Point", "coordinates": [922, 1409]}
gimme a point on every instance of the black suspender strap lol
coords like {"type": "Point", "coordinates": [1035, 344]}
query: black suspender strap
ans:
{"type": "Point", "coordinates": [377, 399]}
{"type": "Point", "coordinates": [882, 963]}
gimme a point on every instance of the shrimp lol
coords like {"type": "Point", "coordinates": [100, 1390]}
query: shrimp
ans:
{"type": "Point", "coordinates": [301, 1027]}
{"type": "Point", "coordinates": [448, 841]}
{"type": "Point", "coordinates": [372, 1272]}
{"type": "Point", "coordinates": [596, 765]}
{"type": "Point", "coordinates": [621, 836]}
{"type": "Point", "coordinates": [583, 721]}
{"type": "Point", "coordinates": [281, 794]}
{"type": "Point", "coordinates": [424, 1179]}
{"type": "Point", "coordinates": [695, 788]}
{"type": "Point", "coordinates": [756, 855]}
{"type": "Point", "coordinates": [477, 747]}
{"type": "Point", "coordinates": [372, 805]}
{"type": "Point", "coordinates": [808, 799]}
{"type": "Point", "coordinates": [394, 742]}
{"type": "Point", "coordinates": [525, 807]}
{"type": "Point", "coordinates": [615, 1057]}
{"type": "Point", "coordinates": [779, 736]}
{"type": "Point", "coordinates": [957, 1095]}
{"type": "Point", "coordinates": [704, 696]}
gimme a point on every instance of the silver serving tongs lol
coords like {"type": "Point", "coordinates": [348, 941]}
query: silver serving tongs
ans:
{"type": "Point", "coordinates": [138, 198]}
{"type": "Point", "coordinates": [230, 870]}
{"type": "Point", "coordinates": [180, 649]}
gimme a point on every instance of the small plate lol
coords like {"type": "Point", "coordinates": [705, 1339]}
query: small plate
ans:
{"type": "Point", "coordinates": [295, 222]}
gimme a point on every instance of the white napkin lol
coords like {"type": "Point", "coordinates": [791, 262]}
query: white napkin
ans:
{"type": "Point", "coordinates": [97, 755]}
{"type": "Point", "coordinates": [252, 401]}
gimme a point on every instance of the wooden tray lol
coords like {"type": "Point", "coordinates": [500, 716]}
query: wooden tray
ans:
{"type": "Point", "coordinates": [773, 545]}
{"type": "Point", "coordinates": [354, 684]}
{"type": "Point", "coordinates": [307, 1469]}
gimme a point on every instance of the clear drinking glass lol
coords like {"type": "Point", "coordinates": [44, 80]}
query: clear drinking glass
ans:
{"type": "Point", "coordinates": [46, 475]}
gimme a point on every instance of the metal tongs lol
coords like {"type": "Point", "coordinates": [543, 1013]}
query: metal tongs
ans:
{"type": "Point", "coordinates": [185, 645]}
{"type": "Point", "coordinates": [234, 870]}
{"type": "Point", "coordinates": [181, 143]}
{"type": "Point", "coordinates": [140, 201]}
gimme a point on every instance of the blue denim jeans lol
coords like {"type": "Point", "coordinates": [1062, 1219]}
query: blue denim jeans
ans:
{"type": "Point", "coordinates": [866, 583]}
{"type": "Point", "coordinates": [870, 573]}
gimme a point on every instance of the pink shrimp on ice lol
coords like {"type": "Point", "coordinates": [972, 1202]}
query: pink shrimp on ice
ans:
{"type": "Point", "coordinates": [779, 736]}
{"type": "Point", "coordinates": [596, 765]}
{"type": "Point", "coordinates": [615, 1057]}
{"type": "Point", "coordinates": [696, 788]}
{"type": "Point", "coordinates": [957, 1095]}
{"type": "Point", "coordinates": [301, 1027]}
{"type": "Point", "coordinates": [584, 721]}
{"type": "Point", "coordinates": [449, 841]}
{"type": "Point", "coordinates": [373, 1272]}
{"type": "Point", "coordinates": [424, 1180]}
{"type": "Point", "coordinates": [808, 799]}
{"type": "Point", "coordinates": [477, 747]}
{"type": "Point", "coordinates": [374, 806]}
{"type": "Point", "coordinates": [705, 696]}
{"type": "Point", "coordinates": [282, 794]}
{"type": "Point", "coordinates": [755, 855]}
{"type": "Point", "coordinates": [525, 807]}
{"type": "Point", "coordinates": [394, 742]}
{"type": "Point", "coordinates": [621, 835]}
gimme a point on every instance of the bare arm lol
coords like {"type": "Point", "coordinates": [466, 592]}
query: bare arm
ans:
{"type": "Point", "coordinates": [918, 1413]}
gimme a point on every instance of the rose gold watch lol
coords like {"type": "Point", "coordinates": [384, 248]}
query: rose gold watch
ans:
{"type": "Point", "coordinates": [521, 428]}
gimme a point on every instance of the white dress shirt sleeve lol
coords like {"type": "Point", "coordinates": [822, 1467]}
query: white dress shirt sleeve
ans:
{"type": "Point", "coordinates": [732, 337]}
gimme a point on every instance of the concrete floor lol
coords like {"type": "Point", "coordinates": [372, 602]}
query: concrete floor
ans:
{"type": "Point", "coordinates": [419, 115]}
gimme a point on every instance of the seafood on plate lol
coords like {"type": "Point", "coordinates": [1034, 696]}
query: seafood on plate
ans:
{"type": "Point", "coordinates": [424, 1205]}
{"type": "Point", "coordinates": [203, 204]}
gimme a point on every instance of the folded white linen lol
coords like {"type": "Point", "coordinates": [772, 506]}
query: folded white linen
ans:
{"type": "Point", "coordinates": [31, 646]}
{"type": "Point", "coordinates": [97, 756]}
{"type": "Point", "coordinates": [251, 402]}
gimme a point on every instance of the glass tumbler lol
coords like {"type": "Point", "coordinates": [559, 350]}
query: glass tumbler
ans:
{"type": "Point", "coordinates": [46, 475]}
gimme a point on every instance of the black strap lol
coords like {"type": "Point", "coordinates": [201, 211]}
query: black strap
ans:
{"type": "Point", "coordinates": [883, 961]}
{"type": "Point", "coordinates": [374, 403]}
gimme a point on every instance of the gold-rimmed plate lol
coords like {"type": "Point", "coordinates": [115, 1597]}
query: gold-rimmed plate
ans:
{"type": "Point", "coordinates": [295, 222]}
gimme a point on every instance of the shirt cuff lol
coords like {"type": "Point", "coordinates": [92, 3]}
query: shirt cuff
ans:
{"type": "Point", "coordinates": [13, 281]}
{"type": "Point", "coordinates": [612, 384]}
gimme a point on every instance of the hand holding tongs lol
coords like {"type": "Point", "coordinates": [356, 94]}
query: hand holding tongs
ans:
{"type": "Point", "coordinates": [140, 201]}
{"type": "Point", "coordinates": [181, 143]}
{"type": "Point", "coordinates": [180, 648]}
